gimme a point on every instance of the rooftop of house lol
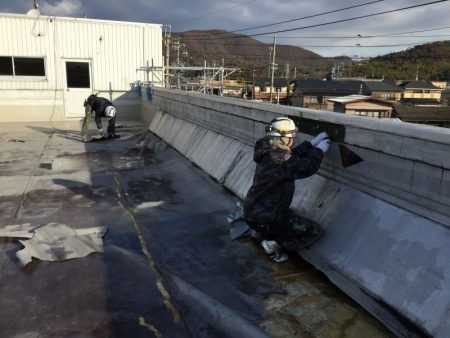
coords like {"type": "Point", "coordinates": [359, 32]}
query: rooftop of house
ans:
{"type": "Point", "coordinates": [418, 85]}
{"type": "Point", "coordinates": [350, 98]}
{"type": "Point", "coordinates": [317, 86]}
{"type": "Point", "coordinates": [382, 86]}
{"type": "Point", "coordinates": [409, 113]}
{"type": "Point", "coordinates": [266, 81]}
{"type": "Point", "coordinates": [359, 98]}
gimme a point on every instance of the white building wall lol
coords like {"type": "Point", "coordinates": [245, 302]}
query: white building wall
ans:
{"type": "Point", "coordinates": [19, 37]}
{"type": "Point", "coordinates": [115, 50]}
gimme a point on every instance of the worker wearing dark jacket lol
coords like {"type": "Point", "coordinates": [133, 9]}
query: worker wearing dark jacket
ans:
{"type": "Point", "coordinates": [103, 108]}
{"type": "Point", "coordinates": [266, 207]}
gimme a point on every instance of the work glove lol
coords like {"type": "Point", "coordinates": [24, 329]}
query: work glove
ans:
{"type": "Point", "coordinates": [316, 140]}
{"type": "Point", "coordinates": [324, 145]}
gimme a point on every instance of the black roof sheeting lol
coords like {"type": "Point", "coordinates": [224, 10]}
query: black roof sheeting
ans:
{"type": "Point", "coordinates": [277, 82]}
{"type": "Point", "coordinates": [422, 114]}
{"type": "Point", "coordinates": [382, 86]}
{"type": "Point", "coordinates": [315, 86]}
{"type": "Point", "coordinates": [418, 85]}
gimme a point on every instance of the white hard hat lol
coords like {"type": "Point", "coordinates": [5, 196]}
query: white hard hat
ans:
{"type": "Point", "coordinates": [110, 111]}
{"type": "Point", "coordinates": [281, 127]}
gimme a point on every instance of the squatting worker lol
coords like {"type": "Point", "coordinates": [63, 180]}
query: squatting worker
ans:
{"type": "Point", "coordinates": [102, 108]}
{"type": "Point", "coordinates": [278, 165]}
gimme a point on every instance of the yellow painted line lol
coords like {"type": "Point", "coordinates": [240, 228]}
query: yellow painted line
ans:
{"type": "Point", "coordinates": [144, 246]}
{"type": "Point", "coordinates": [150, 327]}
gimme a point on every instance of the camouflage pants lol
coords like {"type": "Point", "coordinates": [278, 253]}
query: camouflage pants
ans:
{"type": "Point", "coordinates": [292, 233]}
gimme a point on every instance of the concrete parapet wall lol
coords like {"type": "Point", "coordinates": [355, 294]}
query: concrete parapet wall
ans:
{"type": "Point", "coordinates": [387, 218]}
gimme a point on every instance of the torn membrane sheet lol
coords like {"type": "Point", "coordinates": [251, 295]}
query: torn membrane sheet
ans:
{"type": "Point", "coordinates": [18, 230]}
{"type": "Point", "coordinates": [57, 242]}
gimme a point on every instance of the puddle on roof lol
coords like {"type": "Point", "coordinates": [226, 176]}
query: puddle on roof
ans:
{"type": "Point", "coordinates": [312, 306]}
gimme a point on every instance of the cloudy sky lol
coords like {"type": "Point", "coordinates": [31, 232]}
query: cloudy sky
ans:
{"type": "Point", "coordinates": [311, 24]}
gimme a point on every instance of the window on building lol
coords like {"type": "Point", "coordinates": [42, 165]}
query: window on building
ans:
{"type": "Point", "coordinates": [6, 67]}
{"type": "Point", "coordinates": [29, 66]}
{"type": "Point", "coordinates": [78, 75]}
{"type": "Point", "coordinates": [22, 66]}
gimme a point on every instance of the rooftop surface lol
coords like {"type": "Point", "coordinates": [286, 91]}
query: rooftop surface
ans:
{"type": "Point", "coordinates": [169, 268]}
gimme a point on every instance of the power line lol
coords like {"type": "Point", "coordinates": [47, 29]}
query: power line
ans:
{"type": "Point", "coordinates": [249, 56]}
{"type": "Point", "coordinates": [307, 17]}
{"type": "Point", "coordinates": [303, 18]}
{"type": "Point", "coordinates": [335, 46]}
{"type": "Point", "coordinates": [330, 22]}
{"type": "Point", "coordinates": [362, 36]}
{"type": "Point", "coordinates": [265, 45]}
{"type": "Point", "coordinates": [367, 36]}
{"type": "Point", "coordinates": [359, 36]}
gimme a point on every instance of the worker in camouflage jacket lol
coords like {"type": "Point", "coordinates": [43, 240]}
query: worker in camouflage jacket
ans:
{"type": "Point", "coordinates": [103, 108]}
{"type": "Point", "coordinates": [278, 165]}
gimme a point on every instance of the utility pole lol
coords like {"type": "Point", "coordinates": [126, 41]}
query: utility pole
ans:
{"type": "Point", "coordinates": [221, 77]}
{"type": "Point", "coordinates": [167, 36]}
{"type": "Point", "coordinates": [270, 59]}
{"type": "Point", "coordinates": [273, 68]}
{"type": "Point", "coordinates": [253, 83]}
{"type": "Point", "coordinates": [288, 70]}
{"type": "Point", "coordinates": [204, 79]}
{"type": "Point", "coordinates": [417, 73]}
{"type": "Point", "coordinates": [295, 72]}
{"type": "Point", "coordinates": [177, 46]}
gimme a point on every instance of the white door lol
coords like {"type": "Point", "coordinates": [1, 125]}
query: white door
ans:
{"type": "Point", "coordinates": [78, 87]}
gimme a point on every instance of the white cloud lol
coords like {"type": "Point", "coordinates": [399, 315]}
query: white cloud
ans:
{"type": "Point", "coordinates": [62, 8]}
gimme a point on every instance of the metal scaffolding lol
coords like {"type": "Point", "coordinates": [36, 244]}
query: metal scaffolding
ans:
{"type": "Point", "coordinates": [160, 77]}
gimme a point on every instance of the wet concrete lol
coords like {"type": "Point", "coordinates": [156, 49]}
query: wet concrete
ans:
{"type": "Point", "coordinates": [167, 241]}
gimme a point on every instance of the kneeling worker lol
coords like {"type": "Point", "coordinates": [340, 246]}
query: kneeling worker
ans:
{"type": "Point", "coordinates": [102, 108]}
{"type": "Point", "coordinates": [278, 165]}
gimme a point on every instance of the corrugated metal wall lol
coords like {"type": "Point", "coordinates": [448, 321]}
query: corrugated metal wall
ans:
{"type": "Point", "coordinates": [19, 37]}
{"type": "Point", "coordinates": [115, 49]}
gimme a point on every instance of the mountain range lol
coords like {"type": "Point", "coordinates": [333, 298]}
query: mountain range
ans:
{"type": "Point", "coordinates": [428, 61]}
{"type": "Point", "coordinates": [247, 53]}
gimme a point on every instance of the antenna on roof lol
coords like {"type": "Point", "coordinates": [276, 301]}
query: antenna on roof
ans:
{"type": "Point", "coordinates": [34, 11]}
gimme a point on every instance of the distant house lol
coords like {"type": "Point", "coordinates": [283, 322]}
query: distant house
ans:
{"type": "Point", "coordinates": [420, 93]}
{"type": "Point", "coordinates": [445, 97]}
{"type": "Point", "coordinates": [262, 86]}
{"type": "Point", "coordinates": [384, 90]}
{"type": "Point", "coordinates": [436, 116]}
{"type": "Point", "coordinates": [362, 105]}
{"type": "Point", "coordinates": [316, 93]}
